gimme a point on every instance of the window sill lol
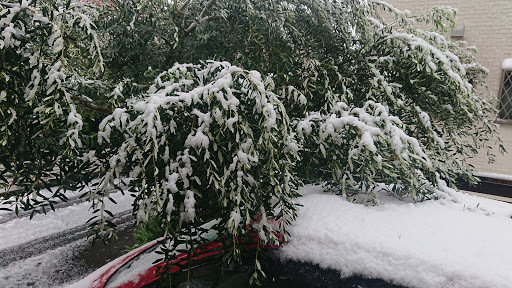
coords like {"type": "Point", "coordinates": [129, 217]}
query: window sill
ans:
{"type": "Point", "coordinates": [502, 121]}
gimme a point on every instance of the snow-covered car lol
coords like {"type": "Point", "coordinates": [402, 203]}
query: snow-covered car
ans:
{"type": "Point", "coordinates": [459, 241]}
{"type": "Point", "coordinates": [136, 270]}
{"type": "Point", "coordinates": [139, 267]}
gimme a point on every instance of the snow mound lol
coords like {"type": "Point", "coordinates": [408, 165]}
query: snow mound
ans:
{"type": "Point", "coordinates": [507, 64]}
{"type": "Point", "coordinates": [428, 244]}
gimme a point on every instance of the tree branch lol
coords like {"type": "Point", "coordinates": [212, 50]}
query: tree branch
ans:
{"type": "Point", "coordinates": [208, 6]}
{"type": "Point", "coordinates": [192, 27]}
{"type": "Point", "coordinates": [91, 106]}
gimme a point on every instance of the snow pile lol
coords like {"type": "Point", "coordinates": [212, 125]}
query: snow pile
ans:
{"type": "Point", "coordinates": [429, 244]}
{"type": "Point", "coordinates": [507, 64]}
{"type": "Point", "coordinates": [426, 244]}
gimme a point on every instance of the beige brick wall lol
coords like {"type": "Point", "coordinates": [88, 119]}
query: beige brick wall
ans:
{"type": "Point", "coordinates": [488, 26]}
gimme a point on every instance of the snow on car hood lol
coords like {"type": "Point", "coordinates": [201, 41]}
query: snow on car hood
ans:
{"type": "Point", "coordinates": [428, 244]}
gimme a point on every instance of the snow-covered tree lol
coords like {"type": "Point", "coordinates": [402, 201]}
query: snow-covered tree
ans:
{"type": "Point", "coordinates": [206, 142]}
{"type": "Point", "coordinates": [372, 96]}
{"type": "Point", "coordinates": [47, 53]}
{"type": "Point", "coordinates": [278, 93]}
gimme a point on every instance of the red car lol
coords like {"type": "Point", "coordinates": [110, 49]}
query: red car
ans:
{"type": "Point", "coordinates": [136, 269]}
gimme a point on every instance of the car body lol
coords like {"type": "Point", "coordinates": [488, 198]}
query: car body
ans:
{"type": "Point", "coordinates": [136, 269]}
{"type": "Point", "coordinates": [139, 267]}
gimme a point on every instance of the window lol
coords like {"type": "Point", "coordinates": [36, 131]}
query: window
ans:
{"type": "Point", "coordinates": [505, 104]}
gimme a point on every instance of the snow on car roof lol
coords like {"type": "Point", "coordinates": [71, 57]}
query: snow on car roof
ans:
{"type": "Point", "coordinates": [428, 244]}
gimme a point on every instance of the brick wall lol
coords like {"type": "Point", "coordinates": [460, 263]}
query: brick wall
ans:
{"type": "Point", "coordinates": [488, 26]}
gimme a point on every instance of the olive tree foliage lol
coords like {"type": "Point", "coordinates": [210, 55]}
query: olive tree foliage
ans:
{"type": "Point", "coordinates": [350, 93]}
{"type": "Point", "coordinates": [382, 97]}
{"type": "Point", "coordinates": [356, 59]}
{"type": "Point", "coordinates": [47, 52]}
{"type": "Point", "coordinates": [205, 142]}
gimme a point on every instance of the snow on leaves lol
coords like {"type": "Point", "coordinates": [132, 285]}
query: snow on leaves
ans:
{"type": "Point", "coordinates": [32, 34]}
{"type": "Point", "coordinates": [368, 139]}
{"type": "Point", "coordinates": [211, 135]}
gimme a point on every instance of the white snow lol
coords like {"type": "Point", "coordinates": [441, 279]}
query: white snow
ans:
{"type": "Point", "coordinates": [494, 176]}
{"type": "Point", "coordinates": [428, 244]}
{"type": "Point", "coordinates": [190, 202]}
{"type": "Point", "coordinates": [23, 230]}
{"type": "Point", "coordinates": [38, 271]}
{"type": "Point", "coordinates": [507, 64]}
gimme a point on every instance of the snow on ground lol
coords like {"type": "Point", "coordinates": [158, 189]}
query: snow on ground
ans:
{"type": "Point", "coordinates": [428, 244]}
{"type": "Point", "coordinates": [39, 272]}
{"type": "Point", "coordinates": [23, 230]}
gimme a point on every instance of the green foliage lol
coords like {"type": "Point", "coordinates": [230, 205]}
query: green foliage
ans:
{"type": "Point", "coordinates": [204, 142]}
{"type": "Point", "coordinates": [149, 231]}
{"type": "Point", "coordinates": [40, 134]}
{"type": "Point", "coordinates": [323, 53]}
{"type": "Point", "coordinates": [129, 30]}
